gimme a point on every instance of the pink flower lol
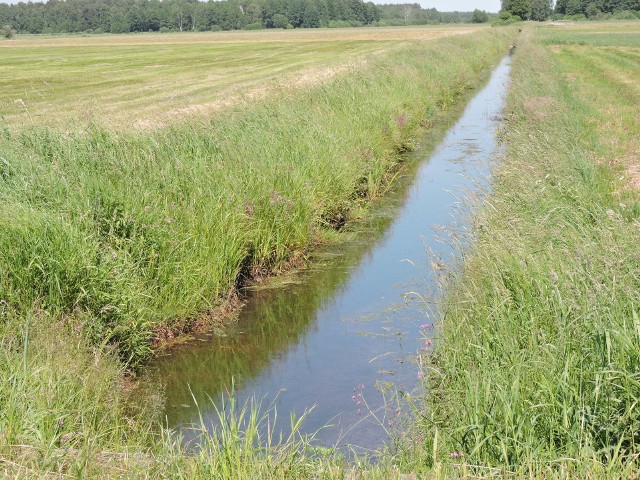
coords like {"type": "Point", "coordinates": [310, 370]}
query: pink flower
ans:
{"type": "Point", "coordinates": [420, 376]}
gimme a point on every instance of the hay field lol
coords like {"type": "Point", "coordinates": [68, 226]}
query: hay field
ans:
{"type": "Point", "coordinates": [148, 80]}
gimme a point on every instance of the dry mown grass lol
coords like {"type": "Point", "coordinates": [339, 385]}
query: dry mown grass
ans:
{"type": "Point", "coordinates": [603, 74]}
{"type": "Point", "coordinates": [149, 80]}
{"type": "Point", "coordinates": [298, 35]}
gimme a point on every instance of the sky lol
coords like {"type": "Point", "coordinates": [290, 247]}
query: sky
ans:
{"type": "Point", "coordinates": [441, 5]}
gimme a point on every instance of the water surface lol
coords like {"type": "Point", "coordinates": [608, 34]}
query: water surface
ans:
{"type": "Point", "coordinates": [348, 324]}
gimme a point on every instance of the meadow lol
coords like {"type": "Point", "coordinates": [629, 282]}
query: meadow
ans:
{"type": "Point", "coordinates": [119, 228]}
{"type": "Point", "coordinates": [535, 371]}
{"type": "Point", "coordinates": [147, 81]}
{"type": "Point", "coordinates": [139, 234]}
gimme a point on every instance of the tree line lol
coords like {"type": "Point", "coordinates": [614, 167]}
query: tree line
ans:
{"type": "Point", "coordinates": [415, 14]}
{"type": "Point", "coordinates": [593, 7]}
{"type": "Point", "coordinates": [542, 9]}
{"type": "Point", "coordinates": [125, 16]}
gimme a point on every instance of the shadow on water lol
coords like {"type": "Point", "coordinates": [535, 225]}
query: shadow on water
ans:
{"type": "Point", "coordinates": [348, 324]}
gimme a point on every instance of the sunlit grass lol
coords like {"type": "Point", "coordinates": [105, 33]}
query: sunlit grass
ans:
{"type": "Point", "coordinates": [147, 80]}
{"type": "Point", "coordinates": [109, 237]}
{"type": "Point", "coordinates": [536, 371]}
{"type": "Point", "coordinates": [145, 231]}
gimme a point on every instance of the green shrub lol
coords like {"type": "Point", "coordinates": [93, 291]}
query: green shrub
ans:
{"type": "Point", "coordinates": [625, 15]}
{"type": "Point", "coordinates": [280, 21]}
{"type": "Point", "coordinates": [506, 18]}
{"type": "Point", "coordinates": [8, 32]}
{"type": "Point", "coordinates": [253, 26]}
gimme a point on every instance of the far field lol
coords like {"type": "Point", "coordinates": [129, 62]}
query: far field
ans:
{"type": "Point", "coordinates": [148, 79]}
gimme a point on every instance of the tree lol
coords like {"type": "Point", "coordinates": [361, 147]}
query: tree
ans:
{"type": "Point", "coordinates": [592, 10]}
{"type": "Point", "coordinates": [519, 8]}
{"type": "Point", "coordinates": [540, 10]}
{"type": "Point", "coordinates": [280, 21]}
{"type": "Point", "coordinates": [480, 16]}
{"type": "Point", "coordinates": [574, 7]}
{"type": "Point", "coordinates": [409, 12]}
{"type": "Point", "coordinates": [561, 6]}
{"type": "Point", "coordinates": [254, 13]}
{"type": "Point", "coordinates": [311, 17]}
{"type": "Point", "coordinates": [295, 12]}
{"type": "Point", "coordinates": [372, 13]}
{"type": "Point", "coordinates": [8, 31]}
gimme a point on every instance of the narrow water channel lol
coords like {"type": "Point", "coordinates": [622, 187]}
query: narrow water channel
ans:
{"type": "Point", "coordinates": [347, 325]}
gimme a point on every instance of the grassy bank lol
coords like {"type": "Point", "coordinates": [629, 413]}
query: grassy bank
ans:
{"type": "Point", "coordinates": [536, 371]}
{"type": "Point", "coordinates": [129, 234]}
{"type": "Point", "coordinates": [110, 237]}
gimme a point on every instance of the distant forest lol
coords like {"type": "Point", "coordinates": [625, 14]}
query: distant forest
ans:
{"type": "Point", "coordinates": [124, 16]}
{"type": "Point", "coordinates": [592, 7]}
{"type": "Point", "coordinates": [543, 9]}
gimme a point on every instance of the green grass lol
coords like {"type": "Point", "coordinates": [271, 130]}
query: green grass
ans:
{"type": "Point", "coordinates": [606, 34]}
{"type": "Point", "coordinates": [536, 369]}
{"type": "Point", "coordinates": [133, 233]}
{"type": "Point", "coordinates": [110, 237]}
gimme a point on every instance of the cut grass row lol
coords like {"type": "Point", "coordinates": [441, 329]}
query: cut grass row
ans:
{"type": "Point", "coordinates": [148, 79]}
{"type": "Point", "coordinates": [536, 371]}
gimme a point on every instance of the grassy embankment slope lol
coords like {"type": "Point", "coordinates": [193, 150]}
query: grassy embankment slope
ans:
{"type": "Point", "coordinates": [537, 368]}
{"type": "Point", "coordinates": [136, 231]}
{"type": "Point", "coordinates": [108, 235]}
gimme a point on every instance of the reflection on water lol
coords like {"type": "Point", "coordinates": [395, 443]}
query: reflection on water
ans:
{"type": "Point", "coordinates": [347, 324]}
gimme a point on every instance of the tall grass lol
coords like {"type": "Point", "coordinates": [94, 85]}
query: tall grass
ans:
{"type": "Point", "coordinates": [108, 238]}
{"type": "Point", "coordinates": [138, 233]}
{"type": "Point", "coordinates": [536, 371]}
{"type": "Point", "coordinates": [62, 411]}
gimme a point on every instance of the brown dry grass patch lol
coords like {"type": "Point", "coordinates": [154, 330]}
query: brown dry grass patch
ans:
{"type": "Point", "coordinates": [538, 106]}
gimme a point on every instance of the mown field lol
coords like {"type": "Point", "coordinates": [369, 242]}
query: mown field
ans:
{"type": "Point", "coordinates": [536, 371]}
{"type": "Point", "coordinates": [113, 236]}
{"type": "Point", "coordinates": [148, 80]}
